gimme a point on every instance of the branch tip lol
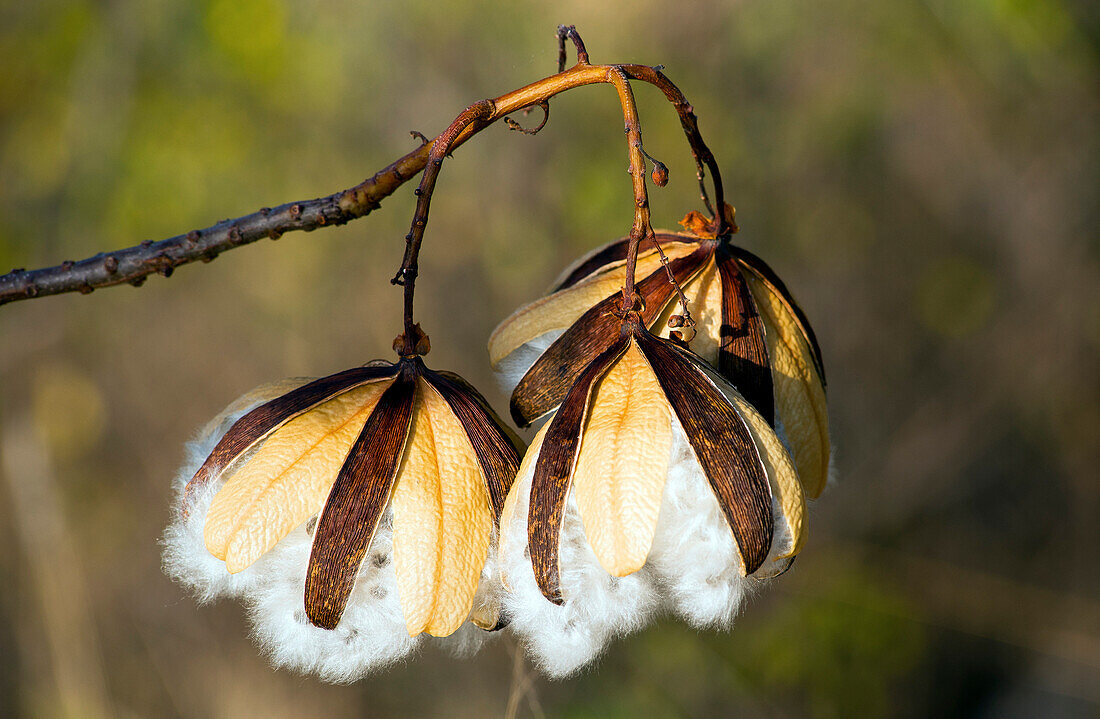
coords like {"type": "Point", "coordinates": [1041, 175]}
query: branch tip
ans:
{"type": "Point", "coordinates": [570, 32]}
{"type": "Point", "coordinates": [515, 126]}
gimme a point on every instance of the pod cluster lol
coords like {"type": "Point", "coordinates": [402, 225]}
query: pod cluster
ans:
{"type": "Point", "coordinates": [363, 513]}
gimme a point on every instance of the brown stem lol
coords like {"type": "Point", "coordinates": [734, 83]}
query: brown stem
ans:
{"type": "Point", "coordinates": [570, 32]}
{"type": "Point", "coordinates": [133, 264]}
{"type": "Point", "coordinates": [687, 320]}
{"type": "Point", "coordinates": [478, 113]}
{"type": "Point", "coordinates": [641, 228]}
{"type": "Point", "coordinates": [699, 150]}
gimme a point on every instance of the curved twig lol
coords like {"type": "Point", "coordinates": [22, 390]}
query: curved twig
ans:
{"type": "Point", "coordinates": [513, 125]}
{"type": "Point", "coordinates": [480, 113]}
{"type": "Point", "coordinates": [133, 264]}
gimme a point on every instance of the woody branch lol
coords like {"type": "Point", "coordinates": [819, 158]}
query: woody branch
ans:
{"type": "Point", "coordinates": [133, 265]}
{"type": "Point", "coordinates": [641, 228]}
{"type": "Point", "coordinates": [480, 112]}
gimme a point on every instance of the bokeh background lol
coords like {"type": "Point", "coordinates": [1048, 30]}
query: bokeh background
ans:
{"type": "Point", "coordinates": [923, 173]}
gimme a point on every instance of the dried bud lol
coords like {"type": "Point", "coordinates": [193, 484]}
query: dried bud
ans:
{"type": "Point", "coordinates": [660, 173]}
{"type": "Point", "coordinates": [698, 224]}
{"type": "Point", "coordinates": [417, 344]}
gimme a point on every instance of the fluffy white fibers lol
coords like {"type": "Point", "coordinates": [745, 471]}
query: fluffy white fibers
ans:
{"type": "Point", "coordinates": [185, 555]}
{"type": "Point", "coordinates": [694, 554]}
{"type": "Point", "coordinates": [510, 370]}
{"type": "Point", "coordinates": [371, 633]}
{"type": "Point", "coordinates": [693, 570]}
{"type": "Point", "coordinates": [597, 606]}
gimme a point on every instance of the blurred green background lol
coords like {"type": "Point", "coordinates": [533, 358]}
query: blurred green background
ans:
{"type": "Point", "coordinates": [922, 173]}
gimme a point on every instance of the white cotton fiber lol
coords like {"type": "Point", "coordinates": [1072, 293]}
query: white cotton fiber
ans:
{"type": "Point", "coordinates": [510, 370]}
{"type": "Point", "coordinates": [185, 555]}
{"type": "Point", "coordinates": [371, 633]}
{"type": "Point", "coordinates": [694, 554]}
{"type": "Point", "coordinates": [693, 570]}
{"type": "Point", "coordinates": [597, 606]}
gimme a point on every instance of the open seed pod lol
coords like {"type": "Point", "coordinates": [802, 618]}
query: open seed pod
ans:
{"type": "Point", "coordinates": [656, 483]}
{"type": "Point", "coordinates": [353, 513]}
{"type": "Point", "coordinates": [748, 325]}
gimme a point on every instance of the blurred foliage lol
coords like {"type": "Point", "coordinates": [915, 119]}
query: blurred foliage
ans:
{"type": "Point", "coordinates": [955, 296]}
{"type": "Point", "coordinates": [922, 173]}
{"type": "Point", "coordinates": [68, 411]}
{"type": "Point", "coordinates": [841, 651]}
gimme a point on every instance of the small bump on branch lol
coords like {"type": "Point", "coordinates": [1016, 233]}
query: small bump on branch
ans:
{"type": "Point", "coordinates": [660, 170]}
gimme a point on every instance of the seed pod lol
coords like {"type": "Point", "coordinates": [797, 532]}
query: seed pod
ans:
{"type": "Point", "coordinates": [355, 513]}
{"type": "Point", "coordinates": [648, 445]}
{"type": "Point", "coordinates": [748, 326]}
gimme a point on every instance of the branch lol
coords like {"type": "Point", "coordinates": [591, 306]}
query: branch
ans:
{"type": "Point", "coordinates": [479, 113]}
{"type": "Point", "coordinates": [133, 264]}
{"type": "Point", "coordinates": [570, 32]}
{"type": "Point", "coordinates": [641, 227]}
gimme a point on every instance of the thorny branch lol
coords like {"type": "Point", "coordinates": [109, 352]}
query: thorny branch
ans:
{"type": "Point", "coordinates": [133, 265]}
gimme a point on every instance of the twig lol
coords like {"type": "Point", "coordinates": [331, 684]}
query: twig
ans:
{"type": "Point", "coordinates": [66, 630]}
{"type": "Point", "coordinates": [699, 150]}
{"type": "Point", "coordinates": [513, 125]}
{"type": "Point", "coordinates": [686, 318]}
{"type": "Point", "coordinates": [472, 119]}
{"type": "Point", "coordinates": [570, 32]}
{"type": "Point", "coordinates": [133, 264]}
{"type": "Point", "coordinates": [641, 228]}
{"type": "Point", "coordinates": [522, 686]}
{"type": "Point", "coordinates": [480, 113]}
{"type": "Point", "coordinates": [515, 690]}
